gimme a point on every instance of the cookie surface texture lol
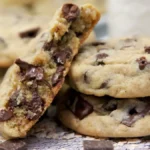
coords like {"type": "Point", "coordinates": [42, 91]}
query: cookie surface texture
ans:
{"type": "Point", "coordinates": [118, 68]}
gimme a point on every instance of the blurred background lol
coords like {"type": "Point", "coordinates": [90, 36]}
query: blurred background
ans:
{"type": "Point", "coordinates": [48, 7]}
{"type": "Point", "coordinates": [119, 17]}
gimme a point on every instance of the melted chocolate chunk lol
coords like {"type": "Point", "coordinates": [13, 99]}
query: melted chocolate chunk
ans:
{"type": "Point", "coordinates": [30, 72]}
{"type": "Point", "coordinates": [79, 107]}
{"type": "Point", "coordinates": [5, 115]}
{"type": "Point", "coordinates": [35, 107]}
{"type": "Point", "coordinates": [130, 120]}
{"type": "Point", "coordinates": [31, 33]}
{"type": "Point", "coordinates": [79, 34]}
{"type": "Point", "coordinates": [70, 12]}
{"type": "Point", "coordinates": [83, 108]}
{"type": "Point", "coordinates": [36, 73]}
{"type": "Point", "coordinates": [147, 49]}
{"type": "Point", "coordinates": [132, 111]}
{"type": "Point", "coordinates": [57, 76]}
{"type": "Point", "coordinates": [13, 145]}
{"type": "Point", "coordinates": [98, 145]}
{"type": "Point", "coordinates": [22, 64]}
{"type": "Point", "coordinates": [101, 56]}
{"type": "Point", "coordinates": [60, 57]}
{"type": "Point", "coordinates": [2, 43]}
{"type": "Point", "coordinates": [142, 62]}
{"type": "Point", "coordinates": [97, 43]}
{"type": "Point", "coordinates": [104, 85]}
{"type": "Point", "coordinates": [13, 100]}
{"type": "Point", "coordinates": [48, 45]}
{"type": "Point", "coordinates": [134, 115]}
{"type": "Point", "coordinates": [100, 63]}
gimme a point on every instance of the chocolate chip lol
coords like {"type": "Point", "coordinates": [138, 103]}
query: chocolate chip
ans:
{"type": "Point", "coordinates": [70, 12]}
{"type": "Point", "coordinates": [35, 73]}
{"type": "Point", "coordinates": [101, 56]}
{"type": "Point", "coordinates": [97, 43]}
{"type": "Point", "coordinates": [31, 33]}
{"type": "Point", "coordinates": [83, 108]}
{"type": "Point", "coordinates": [34, 107]}
{"type": "Point", "coordinates": [30, 72]}
{"type": "Point", "coordinates": [99, 63]}
{"type": "Point", "coordinates": [79, 34]}
{"type": "Point", "coordinates": [13, 100]}
{"type": "Point", "coordinates": [104, 85]}
{"type": "Point", "coordinates": [134, 115]}
{"type": "Point", "coordinates": [3, 44]}
{"type": "Point", "coordinates": [129, 121]}
{"type": "Point", "coordinates": [147, 49]}
{"type": "Point", "coordinates": [142, 62]}
{"type": "Point", "coordinates": [36, 101]}
{"type": "Point", "coordinates": [5, 114]}
{"type": "Point", "coordinates": [22, 64]}
{"type": "Point", "coordinates": [48, 45]}
{"type": "Point", "coordinates": [85, 77]}
{"type": "Point", "coordinates": [13, 145]}
{"type": "Point", "coordinates": [132, 111]}
{"type": "Point", "coordinates": [98, 145]}
{"type": "Point", "coordinates": [57, 76]}
{"type": "Point", "coordinates": [61, 56]}
{"type": "Point", "coordinates": [79, 107]}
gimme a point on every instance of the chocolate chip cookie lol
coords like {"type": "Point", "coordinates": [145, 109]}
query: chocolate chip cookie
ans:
{"type": "Point", "coordinates": [118, 68]}
{"type": "Point", "coordinates": [32, 82]}
{"type": "Point", "coordinates": [17, 32]}
{"type": "Point", "coordinates": [105, 116]}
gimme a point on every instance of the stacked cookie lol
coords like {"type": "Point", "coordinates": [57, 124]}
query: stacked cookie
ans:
{"type": "Point", "coordinates": [110, 95]}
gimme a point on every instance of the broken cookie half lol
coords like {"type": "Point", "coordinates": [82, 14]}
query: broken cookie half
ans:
{"type": "Point", "coordinates": [32, 82]}
{"type": "Point", "coordinates": [104, 116]}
